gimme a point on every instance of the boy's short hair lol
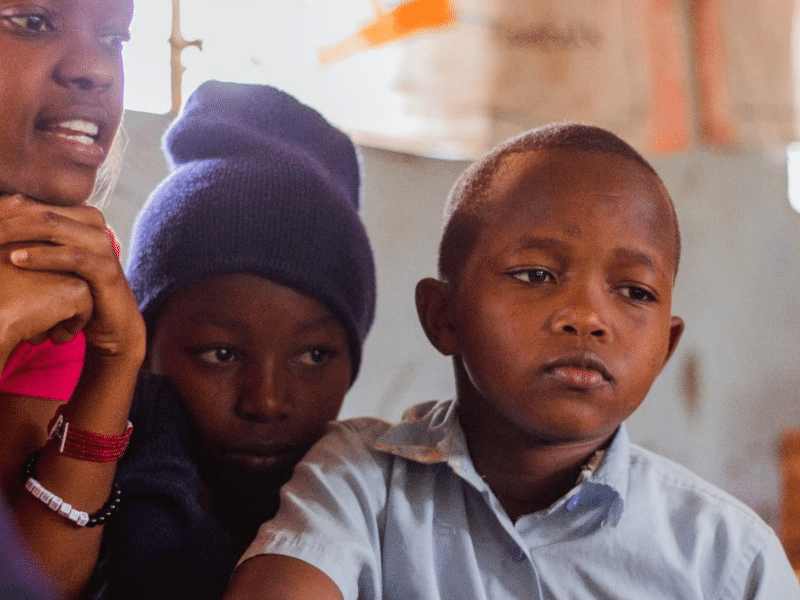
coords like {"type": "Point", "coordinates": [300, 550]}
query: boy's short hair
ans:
{"type": "Point", "coordinates": [465, 208]}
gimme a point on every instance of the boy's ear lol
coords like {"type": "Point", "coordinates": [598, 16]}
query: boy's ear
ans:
{"type": "Point", "coordinates": [675, 331]}
{"type": "Point", "coordinates": [435, 310]}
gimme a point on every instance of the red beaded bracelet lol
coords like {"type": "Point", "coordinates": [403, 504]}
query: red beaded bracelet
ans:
{"type": "Point", "coordinates": [80, 443]}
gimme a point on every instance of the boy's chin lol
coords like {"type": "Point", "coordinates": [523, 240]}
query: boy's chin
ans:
{"type": "Point", "coordinates": [236, 476]}
{"type": "Point", "coordinates": [568, 429]}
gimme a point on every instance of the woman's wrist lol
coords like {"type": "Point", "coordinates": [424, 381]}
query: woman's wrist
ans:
{"type": "Point", "coordinates": [8, 341]}
{"type": "Point", "coordinates": [120, 359]}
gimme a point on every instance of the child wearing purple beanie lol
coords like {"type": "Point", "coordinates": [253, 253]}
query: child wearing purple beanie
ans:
{"type": "Point", "coordinates": [255, 277]}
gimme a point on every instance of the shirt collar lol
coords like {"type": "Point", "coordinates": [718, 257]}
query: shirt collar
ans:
{"type": "Point", "coordinates": [430, 433]}
{"type": "Point", "coordinates": [607, 484]}
{"type": "Point", "coordinates": [424, 435]}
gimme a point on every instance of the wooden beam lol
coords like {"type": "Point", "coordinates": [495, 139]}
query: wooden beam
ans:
{"type": "Point", "coordinates": [178, 44]}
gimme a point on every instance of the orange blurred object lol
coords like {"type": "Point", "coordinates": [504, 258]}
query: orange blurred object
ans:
{"type": "Point", "coordinates": [413, 17]}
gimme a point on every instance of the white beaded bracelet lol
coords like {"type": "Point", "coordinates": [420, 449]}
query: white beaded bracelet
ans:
{"type": "Point", "coordinates": [64, 509]}
{"type": "Point", "coordinates": [54, 503]}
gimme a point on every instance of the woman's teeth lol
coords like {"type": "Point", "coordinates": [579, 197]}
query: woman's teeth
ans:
{"type": "Point", "coordinates": [83, 132]}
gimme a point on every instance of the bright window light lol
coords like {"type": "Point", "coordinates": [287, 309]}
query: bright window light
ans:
{"type": "Point", "coordinates": [147, 56]}
{"type": "Point", "coordinates": [253, 41]}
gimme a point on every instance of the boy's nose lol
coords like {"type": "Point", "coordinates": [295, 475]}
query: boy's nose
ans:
{"type": "Point", "coordinates": [86, 66]}
{"type": "Point", "coordinates": [265, 395]}
{"type": "Point", "coordinates": [582, 324]}
{"type": "Point", "coordinates": [585, 320]}
{"type": "Point", "coordinates": [582, 310]}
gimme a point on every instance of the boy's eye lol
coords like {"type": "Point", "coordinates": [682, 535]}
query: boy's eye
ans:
{"type": "Point", "coordinates": [29, 23]}
{"type": "Point", "coordinates": [217, 355]}
{"type": "Point", "coordinates": [534, 276]}
{"type": "Point", "coordinates": [315, 357]}
{"type": "Point", "coordinates": [637, 294]}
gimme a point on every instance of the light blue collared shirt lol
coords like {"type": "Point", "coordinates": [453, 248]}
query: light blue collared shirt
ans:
{"type": "Point", "coordinates": [399, 512]}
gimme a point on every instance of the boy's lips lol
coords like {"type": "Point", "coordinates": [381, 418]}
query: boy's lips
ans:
{"type": "Point", "coordinates": [261, 458]}
{"type": "Point", "coordinates": [581, 370]}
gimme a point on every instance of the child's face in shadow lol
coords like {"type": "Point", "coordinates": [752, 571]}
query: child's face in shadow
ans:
{"type": "Point", "coordinates": [60, 94]}
{"type": "Point", "coordinates": [561, 316]}
{"type": "Point", "coordinates": [260, 367]}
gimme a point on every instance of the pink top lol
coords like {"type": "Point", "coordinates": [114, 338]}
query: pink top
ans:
{"type": "Point", "coordinates": [46, 370]}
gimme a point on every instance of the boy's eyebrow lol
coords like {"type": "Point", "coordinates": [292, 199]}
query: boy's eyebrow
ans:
{"type": "Point", "coordinates": [538, 243]}
{"type": "Point", "coordinates": [213, 318]}
{"type": "Point", "coordinates": [231, 322]}
{"type": "Point", "coordinates": [636, 257]}
{"type": "Point", "coordinates": [629, 256]}
{"type": "Point", "coordinates": [320, 323]}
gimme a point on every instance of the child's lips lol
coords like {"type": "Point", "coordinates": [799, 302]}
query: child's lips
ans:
{"type": "Point", "coordinates": [261, 458]}
{"type": "Point", "coordinates": [584, 371]}
{"type": "Point", "coordinates": [578, 377]}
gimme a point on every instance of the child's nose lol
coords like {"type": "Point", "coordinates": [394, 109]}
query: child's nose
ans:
{"type": "Point", "coordinates": [583, 316]}
{"type": "Point", "coordinates": [582, 322]}
{"type": "Point", "coordinates": [265, 394]}
{"type": "Point", "coordinates": [85, 65]}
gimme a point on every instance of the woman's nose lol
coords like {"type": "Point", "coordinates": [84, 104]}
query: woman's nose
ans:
{"type": "Point", "coordinates": [86, 65]}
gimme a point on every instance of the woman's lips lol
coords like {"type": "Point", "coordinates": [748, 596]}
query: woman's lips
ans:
{"type": "Point", "coordinates": [77, 139]}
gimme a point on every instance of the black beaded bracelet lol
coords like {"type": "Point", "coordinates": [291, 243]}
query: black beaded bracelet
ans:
{"type": "Point", "coordinates": [56, 504]}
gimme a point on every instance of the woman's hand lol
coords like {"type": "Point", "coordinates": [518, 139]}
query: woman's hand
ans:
{"type": "Point", "coordinates": [35, 305]}
{"type": "Point", "coordinates": [67, 278]}
{"type": "Point", "coordinates": [59, 274]}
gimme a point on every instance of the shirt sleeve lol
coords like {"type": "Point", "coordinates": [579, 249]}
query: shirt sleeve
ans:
{"type": "Point", "coordinates": [765, 574]}
{"type": "Point", "coordinates": [330, 513]}
{"type": "Point", "coordinates": [46, 370]}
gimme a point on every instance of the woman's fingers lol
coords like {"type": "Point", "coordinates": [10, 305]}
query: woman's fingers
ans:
{"type": "Point", "coordinates": [58, 226]}
{"type": "Point", "coordinates": [38, 305]}
{"type": "Point", "coordinates": [77, 260]}
{"type": "Point", "coordinates": [76, 241]}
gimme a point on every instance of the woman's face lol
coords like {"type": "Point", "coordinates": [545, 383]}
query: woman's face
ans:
{"type": "Point", "coordinates": [60, 94]}
{"type": "Point", "coordinates": [261, 370]}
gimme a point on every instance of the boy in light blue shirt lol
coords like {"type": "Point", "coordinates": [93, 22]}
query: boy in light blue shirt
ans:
{"type": "Point", "coordinates": [556, 265]}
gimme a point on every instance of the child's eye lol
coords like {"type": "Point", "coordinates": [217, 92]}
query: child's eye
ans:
{"type": "Point", "coordinates": [217, 355]}
{"type": "Point", "coordinates": [637, 294]}
{"type": "Point", "coordinates": [534, 276]}
{"type": "Point", "coordinates": [315, 357]}
{"type": "Point", "coordinates": [29, 23]}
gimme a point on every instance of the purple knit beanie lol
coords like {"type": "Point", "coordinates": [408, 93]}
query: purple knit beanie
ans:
{"type": "Point", "coordinates": [261, 184]}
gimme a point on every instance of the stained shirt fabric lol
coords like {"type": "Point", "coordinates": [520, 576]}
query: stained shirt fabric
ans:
{"type": "Point", "coordinates": [399, 512]}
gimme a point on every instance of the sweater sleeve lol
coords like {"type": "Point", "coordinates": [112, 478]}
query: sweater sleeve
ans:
{"type": "Point", "coordinates": [162, 544]}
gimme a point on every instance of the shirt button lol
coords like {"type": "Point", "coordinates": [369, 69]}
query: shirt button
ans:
{"type": "Point", "coordinates": [573, 502]}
